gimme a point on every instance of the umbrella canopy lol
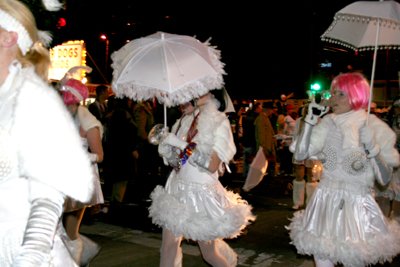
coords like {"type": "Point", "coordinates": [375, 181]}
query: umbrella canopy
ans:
{"type": "Point", "coordinates": [173, 68]}
{"type": "Point", "coordinates": [364, 25]}
{"type": "Point", "coordinates": [355, 26]}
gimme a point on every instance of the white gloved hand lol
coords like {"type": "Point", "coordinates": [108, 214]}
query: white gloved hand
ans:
{"type": "Point", "coordinates": [315, 111]}
{"type": "Point", "coordinates": [165, 150]}
{"type": "Point", "coordinates": [367, 140]}
{"type": "Point", "coordinates": [173, 140]}
{"type": "Point", "coordinates": [94, 158]}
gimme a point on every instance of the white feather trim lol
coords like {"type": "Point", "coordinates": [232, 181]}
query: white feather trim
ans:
{"type": "Point", "coordinates": [167, 211]}
{"type": "Point", "coordinates": [52, 5]}
{"type": "Point", "coordinates": [46, 135]}
{"type": "Point", "coordinates": [45, 38]}
{"type": "Point", "coordinates": [214, 135]}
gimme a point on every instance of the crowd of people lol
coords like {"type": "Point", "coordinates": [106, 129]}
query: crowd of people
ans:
{"type": "Point", "coordinates": [51, 148]}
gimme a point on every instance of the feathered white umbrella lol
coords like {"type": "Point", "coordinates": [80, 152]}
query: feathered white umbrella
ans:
{"type": "Point", "coordinates": [173, 68]}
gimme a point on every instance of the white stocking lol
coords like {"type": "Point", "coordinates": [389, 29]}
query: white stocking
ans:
{"type": "Point", "coordinates": [170, 249]}
{"type": "Point", "coordinates": [323, 263]}
{"type": "Point", "coordinates": [212, 255]}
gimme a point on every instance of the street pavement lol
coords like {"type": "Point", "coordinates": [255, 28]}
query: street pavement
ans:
{"type": "Point", "coordinates": [130, 239]}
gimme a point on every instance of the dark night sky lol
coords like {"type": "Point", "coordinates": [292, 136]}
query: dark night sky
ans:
{"type": "Point", "coordinates": [267, 49]}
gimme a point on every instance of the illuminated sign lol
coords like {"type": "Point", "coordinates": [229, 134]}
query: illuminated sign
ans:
{"type": "Point", "coordinates": [326, 65]}
{"type": "Point", "coordinates": [65, 56]}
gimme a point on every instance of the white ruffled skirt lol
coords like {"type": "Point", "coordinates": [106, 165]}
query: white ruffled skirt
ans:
{"type": "Point", "coordinates": [344, 224]}
{"type": "Point", "coordinates": [199, 212]}
{"type": "Point", "coordinates": [97, 196]}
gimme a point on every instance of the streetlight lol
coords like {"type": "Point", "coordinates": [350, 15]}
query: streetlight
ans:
{"type": "Point", "coordinates": [104, 37]}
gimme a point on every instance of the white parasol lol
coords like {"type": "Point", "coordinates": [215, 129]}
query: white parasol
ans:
{"type": "Point", "coordinates": [366, 25]}
{"type": "Point", "coordinates": [173, 68]}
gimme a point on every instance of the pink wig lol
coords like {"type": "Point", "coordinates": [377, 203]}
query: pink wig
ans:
{"type": "Point", "coordinates": [68, 97]}
{"type": "Point", "coordinates": [356, 87]}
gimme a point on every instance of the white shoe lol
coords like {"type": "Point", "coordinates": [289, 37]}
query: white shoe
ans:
{"type": "Point", "coordinates": [75, 248]}
{"type": "Point", "coordinates": [89, 251]}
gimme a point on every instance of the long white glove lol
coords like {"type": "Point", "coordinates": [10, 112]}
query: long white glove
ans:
{"type": "Point", "coordinates": [46, 209]}
{"type": "Point", "coordinates": [173, 140]}
{"type": "Point", "coordinates": [367, 140]}
{"type": "Point", "coordinates": [315, 111]}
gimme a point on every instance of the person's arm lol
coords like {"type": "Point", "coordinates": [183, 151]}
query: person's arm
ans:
{"type": "Point", "coordinates": [261, 134]}
{"type": "Point", "coordinates": [96, 148]}
{"type": "Point", "coordinates": [315, 111]}
{"type": "Point", "coordinates": [383, 172]}
{"type": "Point", "coordinates": [141, 119]}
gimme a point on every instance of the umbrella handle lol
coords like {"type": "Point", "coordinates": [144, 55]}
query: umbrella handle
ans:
{"type": "Point", "coordinates": [165, 116]}
{"type": "Point", "coordinates": [373, 71]}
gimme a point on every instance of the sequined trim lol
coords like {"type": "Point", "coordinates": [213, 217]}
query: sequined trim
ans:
{"type": "Point", "coordinates": [331, 158]}
{"type": "Point", "coordinates": [355, 162]}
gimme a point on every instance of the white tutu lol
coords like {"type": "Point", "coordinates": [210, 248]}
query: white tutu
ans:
{"type": "Point", "coordinates": [199, 212]}
{"type": "Point", "coordinates": [343, 223]}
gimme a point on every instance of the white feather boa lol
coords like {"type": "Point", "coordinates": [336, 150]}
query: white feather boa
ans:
{"type": "Point", "coordinates": [49, 148]}
{"type": "Point", "coordinates": [385, 137]}
{"type": "Point", "coordinates": [214, 134]}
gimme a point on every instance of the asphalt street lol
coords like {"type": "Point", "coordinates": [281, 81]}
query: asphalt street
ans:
{"type": "Point", "coordinates": [130, 239]}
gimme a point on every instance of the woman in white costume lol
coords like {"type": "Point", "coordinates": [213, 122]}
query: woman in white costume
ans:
{"type": "Point", "coordinates": [38, 147]}
{"type": "Point", "coordinates": [193, 203]}
{"type": "Point", "coordinates": [342, 222]}
{"type": "Point", "coordinates": [90, 131]}
{"type": "Point", "coordinates": [391, 192]}
{"type": "Point", "coordinates": [302, 168]}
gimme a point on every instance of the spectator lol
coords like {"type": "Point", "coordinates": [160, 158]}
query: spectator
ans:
{"type": "Point", "coordinates": [286, 156]}
{"type": "Point", "coordinates": [147, 172]}
{"type": "Point", "coordinates": [122, 151]}
{"type": "Point", "coordinates": [248, 139]}
{"type": "Point", "coordinates": [264, 134]}
{"type": "Point", "coordinates": [99, 107]}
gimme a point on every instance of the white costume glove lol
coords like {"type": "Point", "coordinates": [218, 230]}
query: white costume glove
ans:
{"type": "Point", "coordinates": [46, 209]}
{"type": "Point", "coordinates": [173, 140]}
{"type": "Point", "coordinates": [94, 158]}
{"type": "Point", "coordinates": [165, 150]}
{"type": "Point", "coordinates": [367, 139]}
{"type": "Point", "coordinates": [315, 111]}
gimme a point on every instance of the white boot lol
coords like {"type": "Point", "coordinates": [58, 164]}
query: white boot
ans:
{"type": "Point", "coordinates": [298, 193]}
{"type": "Point", "coordinates": [310, 189]}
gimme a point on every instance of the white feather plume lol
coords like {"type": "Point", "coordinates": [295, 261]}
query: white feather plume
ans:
{"type": "Point", "coordinates": [45, 38]}
{"type": "Point", "coordinates": [72, 72]}
{"type": "Point", "coordinates": [52, 5]}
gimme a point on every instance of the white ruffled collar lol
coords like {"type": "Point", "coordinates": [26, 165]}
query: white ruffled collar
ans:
{"type": "Point", "coordinates": [349, 123]}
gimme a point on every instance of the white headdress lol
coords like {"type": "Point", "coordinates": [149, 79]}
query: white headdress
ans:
{"type": "Point", "coordinates": [24, 41]}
